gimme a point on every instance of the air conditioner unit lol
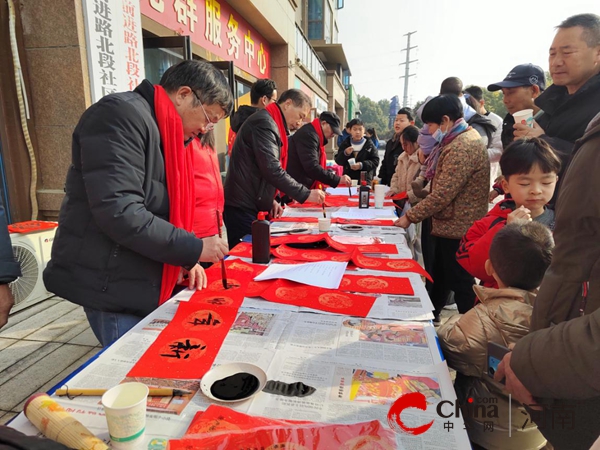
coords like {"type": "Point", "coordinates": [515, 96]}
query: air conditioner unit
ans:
{"type": "Point", "coordinates": [32, 251]}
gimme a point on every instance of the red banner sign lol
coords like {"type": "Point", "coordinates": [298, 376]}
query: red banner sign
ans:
{"type": "Point", "coordinates": [217, 27]}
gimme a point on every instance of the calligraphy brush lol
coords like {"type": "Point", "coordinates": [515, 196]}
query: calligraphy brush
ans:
{"type": "Point", "coordinates": [324, 213]}
{"type": "Point", "coordinates": [223, 268]}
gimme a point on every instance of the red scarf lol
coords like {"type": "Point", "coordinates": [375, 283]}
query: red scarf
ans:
{"type": "Point", "coordinates": [322, 155]}
{"type": "Point", "coordinates": [179, 172]}
{"type": "Point", "coordinates": [275, 112]}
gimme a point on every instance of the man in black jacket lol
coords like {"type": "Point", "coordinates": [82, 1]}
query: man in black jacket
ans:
{"type": "Point", "coordinates": [305, 148]}
{"type": "Point", "coordinates": [255, 171]}
{"type": "Point", "coordinates": [262, 94]}
{"type": "Point", "coordinates": [114, 234]}
{"type": "Point", "coordinates": [393, 147]}
{"type": "Point", "coordinates": [574, 99]}
{"type": "Point", "coordinates": [10, 269]}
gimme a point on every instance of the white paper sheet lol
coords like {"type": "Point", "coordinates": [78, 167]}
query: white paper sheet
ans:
{"type": "Point", "coordinates": [364, 214]}
{"type": "Point", "coordinates": [325, 274]}
{"type": "Point", "coordinates": [341, 190]}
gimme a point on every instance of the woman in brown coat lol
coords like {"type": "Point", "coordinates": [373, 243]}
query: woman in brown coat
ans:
{"type": "Point", "coordinates": [460, 170]}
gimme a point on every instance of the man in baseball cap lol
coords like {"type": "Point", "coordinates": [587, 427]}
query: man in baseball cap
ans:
{"type": "Point", "coordinates": [523, 84]}
{"type": "Point", "coordinates": [307, 159]}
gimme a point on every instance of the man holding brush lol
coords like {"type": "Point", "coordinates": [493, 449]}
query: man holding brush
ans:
{"type": "Point", "coordinates": [307, 161]}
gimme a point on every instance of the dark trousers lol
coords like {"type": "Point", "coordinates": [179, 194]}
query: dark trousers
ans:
{"type": "Point", "coordinates": [449, 276]}
{"type": "Point", "coordinates": [428, 252]}
{"type": "Point", "coordinates": [238, 223]}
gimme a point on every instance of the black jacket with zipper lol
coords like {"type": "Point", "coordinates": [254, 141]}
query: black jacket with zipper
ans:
{"type": "Point", "coordinates": [255, 172]}
{"type": "Point", "coordinates": [393, 150]}
{"type": "Point", "coordinates": [114, 235]}
{"type": "Point", "coordinates": [241, 115]}
{"type": "Point", "coordinates": [304, 159]}
{"type": "Point", "coordinates": [368, 156]}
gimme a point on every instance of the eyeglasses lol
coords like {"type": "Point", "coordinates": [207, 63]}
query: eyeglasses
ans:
{"type": "Point", "coordinates": [209, 124]}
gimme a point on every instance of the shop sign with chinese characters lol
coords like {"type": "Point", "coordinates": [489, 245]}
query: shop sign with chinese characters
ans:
{"type": "Point", "coordinates": [115, 48]}
{"type": "Point", "coordinates": [216, 27]}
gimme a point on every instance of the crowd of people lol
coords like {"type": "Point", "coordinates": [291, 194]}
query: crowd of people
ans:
{"type": "Point", "coordinates": [144, 200]}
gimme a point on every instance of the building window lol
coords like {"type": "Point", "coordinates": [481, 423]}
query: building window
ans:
{"type": "Point", "coordinates": [309, 59]}
{"type": "Point", "coordinates": [315, 19]}
{"type": "Point", "coordinates": [327, 32]}
{"type": "Point", "coordinates": [340, 4]}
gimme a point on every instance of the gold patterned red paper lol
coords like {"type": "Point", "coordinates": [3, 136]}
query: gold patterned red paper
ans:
{"type": "Point", "coordinates": [330, 300]}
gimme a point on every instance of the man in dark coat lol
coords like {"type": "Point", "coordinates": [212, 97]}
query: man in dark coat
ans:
{"type": "Point", "coordinates": [262, 94]}
{"type": "Point", "coordinates": [307, 150]}
{"type": "Point", "coordinates": [257, 166]}
{"type": "Point", "coordinates": [10, 269]}
{"type": "Point", "coordinates": [574, 99]}
{"type": "Point", "coordinates": [393, 147]}
{"type": "Point", "coordinates": [114, 234]}
{"type": "Point", "coordinates": [559, 361]}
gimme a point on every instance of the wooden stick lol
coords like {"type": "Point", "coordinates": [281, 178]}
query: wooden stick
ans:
{"type": "Point", "coordinates": [223, 268]}
{"type": "Point", "coordinates": [154, 392]}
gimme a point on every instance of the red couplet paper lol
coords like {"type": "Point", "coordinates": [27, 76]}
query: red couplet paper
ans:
{"type": "Point", "coordinates": [243, 250]}
{"type": "Point", "coordinates": [31, 226]}
{"type": "Point", "coordinates": [315, 436]}
{"type": "Point", "coordinates": [296, 254]}
{"type": "Point", "coordinates": [391, 265]}
{"type": "Point", "coordinates": [375, 222]}
{"type": "Point", "coordinates": [187, 347]}
{"type": "Point", "coordinates": [297, 219]}
{"type": "Point", "coordinates": [399, 196]}
{"type": "Point", "coordinates": [334, 243]}
{"type": "Point", "coordinates": [292, 293]}
{"type": "Point", "coordinates": [376, 285]}
{"type": "Point", "coordinates": [219, 418]}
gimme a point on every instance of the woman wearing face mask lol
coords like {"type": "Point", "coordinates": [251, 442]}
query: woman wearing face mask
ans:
{"type": "Point", "coordinates": [459, 169]}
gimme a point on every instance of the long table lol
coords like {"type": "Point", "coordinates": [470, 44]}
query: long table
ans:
{"type": "Point", "coordinates": [340, 356]}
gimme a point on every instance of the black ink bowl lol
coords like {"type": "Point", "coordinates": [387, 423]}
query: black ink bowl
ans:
{"type": "Point", "coordinates": [233, 382]}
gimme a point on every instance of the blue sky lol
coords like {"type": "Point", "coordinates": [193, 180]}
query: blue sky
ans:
{"type": "Point", "coordinates": [478, 41]}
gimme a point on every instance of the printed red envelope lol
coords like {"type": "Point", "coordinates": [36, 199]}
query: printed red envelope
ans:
{"type": "Point", "coordinates": [296, 254]}
{"type": "Point", "coordinates": [315, 436]}
{"type": "Point", "coordinates": [376, 285]}
{"type": "Point", "coordinates": [392, 265]}
{"type": "Point", "coordinates": [291, 293]}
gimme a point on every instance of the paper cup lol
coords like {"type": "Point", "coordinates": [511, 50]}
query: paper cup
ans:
{"type": "Point", "coordinates": [58, 425]}
{"type": "Point", "coordinates": [380, 190]}
{"type": "Point", "coordinates": [524, 117]}
{"type": "Point", "coordinates": [125, 409]}
{"type": "Point", "coordinates": [352, 161]}
{"type": "Point", "coordinates": [354, 183]}
{"type": "Point", "coordinates": [324, 224]}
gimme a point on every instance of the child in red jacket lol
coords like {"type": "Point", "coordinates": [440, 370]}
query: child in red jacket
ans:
{"type": "Point", "coordinates": [530, 169]}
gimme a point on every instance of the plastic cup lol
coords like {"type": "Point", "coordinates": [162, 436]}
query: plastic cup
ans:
{"type": "Point", "coordinates": [354, 183]}
{"type": "Point", "coordinates": [352, 161]}
{"type": "Point", "coordinates": [125, 409]}
{"type": "Point", "coordinates": [380, 190]}
{"type": "Point", "coordinates": [524, 117]}
{"type": "Point", "coordinates": [324, 224]}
